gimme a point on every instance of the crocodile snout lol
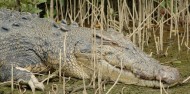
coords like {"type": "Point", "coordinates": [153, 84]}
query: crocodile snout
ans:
{"type": "Point", "coordinates": [169, 75]}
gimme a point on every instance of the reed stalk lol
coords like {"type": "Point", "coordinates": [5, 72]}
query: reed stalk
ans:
{"type": "Point", "coordinates": [51, 9]}
{"type": "Point", "coordinates": [12, 79]}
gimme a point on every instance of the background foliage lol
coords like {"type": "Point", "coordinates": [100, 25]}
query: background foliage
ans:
{"type": "Point", "coordinates": [22, 5]}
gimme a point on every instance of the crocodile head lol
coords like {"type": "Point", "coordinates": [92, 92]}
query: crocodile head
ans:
{"type": "Point", "coordinates": [114, 52]}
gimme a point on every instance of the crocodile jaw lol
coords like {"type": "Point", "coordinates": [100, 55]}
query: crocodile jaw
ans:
{"type": "Point", "coordinates": [126, 76]}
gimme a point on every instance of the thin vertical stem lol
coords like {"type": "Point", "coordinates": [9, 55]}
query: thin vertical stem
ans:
{"type": "Point", "coordinates": [161, 33]}
{"type": "Point", "coordinates": [134, 36]}
{"type": "Point", "coordinates": [57, 10]}
{"type": "Point", "coordinates": [61, 8]}
{"type": "Point", "coordinates": [139, 21]}
{"type": "Point", "coordinates": [51, 9]}
{"type": "Point", "coordinates": [187, 23]}
{"type": "Point", "coordinates": [60, 65]}
{"type": "Point", "coordinates": [12, 79]}
{"type": "Point", "coordinates": [101, 29]}
{"type": "Point", "coordinates": [47, 11]}
{"type": "Point", "coordinates": [171, 20]}
{"type": "Point", "coordinates": [64, 83]}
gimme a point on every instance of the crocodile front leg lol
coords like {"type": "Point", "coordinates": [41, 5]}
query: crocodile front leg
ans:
{"type": "Point", "coordinates": [24, 63]}
{"type": "Point", "coordinates": [20, 74]}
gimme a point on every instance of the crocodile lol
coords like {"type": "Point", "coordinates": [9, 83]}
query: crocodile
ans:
{"type": "Point", "coordinates": [29, 44]}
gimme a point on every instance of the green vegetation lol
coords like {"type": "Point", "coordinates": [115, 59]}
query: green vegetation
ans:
{"type": "Point", "coordinates": [22, 5]}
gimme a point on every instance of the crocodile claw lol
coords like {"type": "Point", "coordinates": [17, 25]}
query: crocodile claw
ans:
{"type": "Point", "coordinates": [35, 84]}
